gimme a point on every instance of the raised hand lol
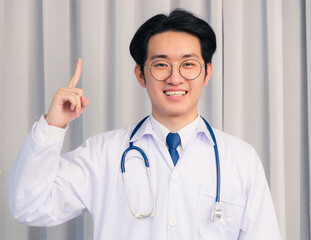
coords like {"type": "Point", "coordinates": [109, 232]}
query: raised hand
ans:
{"type": "Point", "coordinates": [68, 103]}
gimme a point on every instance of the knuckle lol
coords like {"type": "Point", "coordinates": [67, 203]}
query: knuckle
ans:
{"type": "Point", "coordinates": [72, 99]}
{"type": "Point", "coordinates": [77, 99]}
{"type": "Point", "coordinates": [79, 91]}
{"type": "Point", "coordinates": [59, 91]}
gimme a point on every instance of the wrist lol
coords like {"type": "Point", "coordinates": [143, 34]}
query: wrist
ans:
{"type": "Point", "coordinates": [52, 123]}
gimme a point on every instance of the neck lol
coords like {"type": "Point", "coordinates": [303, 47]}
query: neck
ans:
{"type": "Point", "coordinates": [175, 123]}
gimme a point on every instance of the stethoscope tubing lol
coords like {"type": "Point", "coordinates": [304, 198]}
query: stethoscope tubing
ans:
{"type": "Point", "coordinates": [132, 147]}
{"type": "Point", "coordinates": [216, 160]}
{"type": "Point", "coordinates": [126, 152]}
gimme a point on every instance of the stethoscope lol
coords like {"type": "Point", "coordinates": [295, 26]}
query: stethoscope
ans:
{"type": "Point", "coordinates": [216, 213]}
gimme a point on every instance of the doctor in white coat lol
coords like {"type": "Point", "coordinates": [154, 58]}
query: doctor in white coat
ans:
{"type": "Point", "coordinates": [173, 55]}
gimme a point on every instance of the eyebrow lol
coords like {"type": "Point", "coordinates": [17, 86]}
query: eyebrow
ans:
{"type": "Point", "coordinates": [166, 57]}
{"type": "Point", "coordinates": [158, 56]}
{"type": "Point", "coordinates": [190, 55]}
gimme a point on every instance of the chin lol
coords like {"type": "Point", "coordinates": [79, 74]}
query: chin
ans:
{"type": "Point", "coordinates": [174, 111]}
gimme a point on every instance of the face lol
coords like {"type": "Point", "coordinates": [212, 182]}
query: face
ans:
{"type": "Point", "coordinates": [174, 97]}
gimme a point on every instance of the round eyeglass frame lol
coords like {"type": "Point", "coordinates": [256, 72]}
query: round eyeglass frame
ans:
{"type": "Point", "coordinates": [201, 65]}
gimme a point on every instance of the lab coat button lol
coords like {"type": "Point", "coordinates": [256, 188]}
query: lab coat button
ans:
{"type": "Point", "coordinates": [174, 175]}
{"type": "Point", "coordinates": [173, 222]}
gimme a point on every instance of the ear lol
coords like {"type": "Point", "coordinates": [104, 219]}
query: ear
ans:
{"type": "Point", "coordinates": [140, 76]}
{"type": "Point", "coordinates": [209, 70]}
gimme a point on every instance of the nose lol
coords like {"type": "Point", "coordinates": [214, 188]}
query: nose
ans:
{"type": "Point", "coordinates": [175, 77]}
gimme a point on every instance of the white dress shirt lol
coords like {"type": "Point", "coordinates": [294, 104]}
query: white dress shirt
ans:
{"type": "Point", "coordinates": [184, 133]}
{"type": "Point", "coordinates": [46, 189]}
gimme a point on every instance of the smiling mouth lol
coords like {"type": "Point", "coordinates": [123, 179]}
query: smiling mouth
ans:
{"type": "Point", "coordinates": [175, 93]}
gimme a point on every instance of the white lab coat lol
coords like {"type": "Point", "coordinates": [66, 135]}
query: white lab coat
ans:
{"type": "Point", "coordinates": [48, 189]}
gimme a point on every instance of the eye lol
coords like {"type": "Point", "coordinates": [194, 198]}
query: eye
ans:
{"type": "Point", "coordinates": [190, 64]}
{"type": "Point", "coordinates": [160, 65]}
{"type": "Point", "coordinates": [187, 64]}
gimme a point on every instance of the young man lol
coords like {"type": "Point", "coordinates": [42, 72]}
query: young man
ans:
{"type": "Point", "coordinates": [173, 55]}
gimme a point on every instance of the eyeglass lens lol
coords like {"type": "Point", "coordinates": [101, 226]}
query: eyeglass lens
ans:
{"type": "Point", "coordinates": [162, 70]}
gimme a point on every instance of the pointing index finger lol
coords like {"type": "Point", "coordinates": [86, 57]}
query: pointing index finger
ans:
{"type": "Point", "coordinates": [76, 76]}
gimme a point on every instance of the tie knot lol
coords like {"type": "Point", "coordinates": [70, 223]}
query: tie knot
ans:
{"type": "Point", "coordinates": [173, 140]}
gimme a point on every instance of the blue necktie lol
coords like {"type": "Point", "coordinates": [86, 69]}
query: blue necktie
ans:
{"type": "Point", "coordinates": [173, 140]}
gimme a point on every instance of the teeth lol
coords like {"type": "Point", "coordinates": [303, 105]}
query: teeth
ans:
{"type": "Point", "coordinates": [175, 93]}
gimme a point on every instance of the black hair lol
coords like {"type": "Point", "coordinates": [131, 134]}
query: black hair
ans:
{"type": "Point", "coordinates": [178, 21]}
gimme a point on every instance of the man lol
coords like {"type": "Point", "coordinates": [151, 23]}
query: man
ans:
{"type": "Point", "coordinates": [173, 55]}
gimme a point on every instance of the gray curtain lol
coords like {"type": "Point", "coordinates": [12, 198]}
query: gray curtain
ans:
{"type": "Point", "coordinates": [260, 90]}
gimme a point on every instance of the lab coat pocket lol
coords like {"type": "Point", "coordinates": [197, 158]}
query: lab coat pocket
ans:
{"type": "Point", "coordinates": [228, 226]}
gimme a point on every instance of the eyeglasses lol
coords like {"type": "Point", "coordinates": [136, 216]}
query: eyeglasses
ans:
{"type": "Point", "coordinates": [189, 69]}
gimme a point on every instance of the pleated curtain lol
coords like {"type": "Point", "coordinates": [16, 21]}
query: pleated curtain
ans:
{"type": "Point", "coordinates": [260, 89]}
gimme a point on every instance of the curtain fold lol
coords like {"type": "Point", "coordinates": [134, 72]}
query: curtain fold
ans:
{"type": "Point", "coordinates": [275, 104]}
{"type": "Point", "coordinates": [307, 9]}
{"type": "Point", "coordinates": [260, 89]}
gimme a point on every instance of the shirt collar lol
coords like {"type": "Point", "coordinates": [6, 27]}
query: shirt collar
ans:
{"type": "Point", "coordinates": [159, 129]}
{"type": "Point", "coordinates": [203, 129]}
{"type": "Point", "coordinates": [185, 133]}
{"type": "Point", "coordinates": [152, 127]}
{"type": "Point", "coordinates": [144, 129]}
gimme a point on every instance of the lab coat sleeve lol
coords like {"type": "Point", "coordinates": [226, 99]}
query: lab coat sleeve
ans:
{"type": "Point", "coordinates": [259, 218]}
{"type": "Point", "coordinates": [45, 188]}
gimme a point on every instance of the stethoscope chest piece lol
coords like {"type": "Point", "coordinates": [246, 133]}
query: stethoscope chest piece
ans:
{"type": "Point", "coordinates": [216, 213]}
